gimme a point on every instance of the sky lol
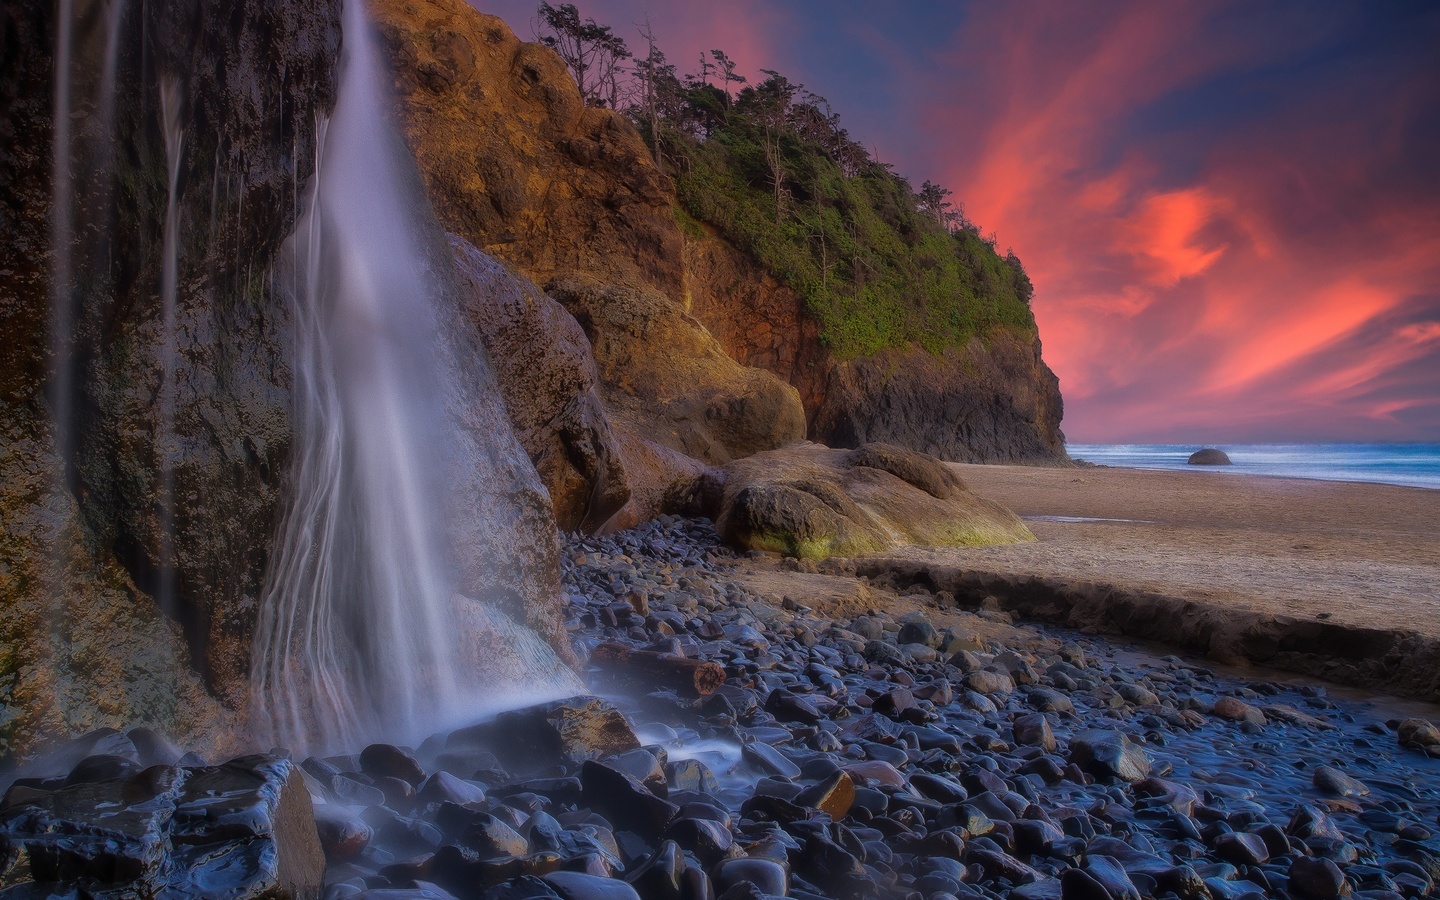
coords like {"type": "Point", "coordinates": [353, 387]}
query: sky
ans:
{"type": "Point", "coordinates": [1230, 210]}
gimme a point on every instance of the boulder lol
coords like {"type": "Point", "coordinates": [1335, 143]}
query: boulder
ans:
{"type": "Point", "coordinates": [812, 502]}
{"type": "Point", "coordinates": [1109, 754]}
{"type": "Point", "coordinates": [244, 829]}
{"type": "Point", "coordinates": [662, 375]}
{"type": "Point", "coordinates": [571, 730]}
{"type": "Point", "coordinates": [546, 372]}
{"type": "Point", "coordinates": [1418, 734]}
{"type": "Point", "coordinates": [1209, 457]}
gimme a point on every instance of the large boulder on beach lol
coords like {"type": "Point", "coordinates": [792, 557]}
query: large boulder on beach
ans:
{"type": "Point", "coordinates": [1209, 457]}
{"type": "Point", "coordinates": [811, 502]}
{"type": "Point", "coordinates": [546, 373]}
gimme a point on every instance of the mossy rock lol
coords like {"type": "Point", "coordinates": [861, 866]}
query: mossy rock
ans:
{"type": "Point", "coordinates": [812, 502]}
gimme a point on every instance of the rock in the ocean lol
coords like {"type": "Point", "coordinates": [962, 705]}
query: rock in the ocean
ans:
{"type": "Point", "coordinates": [1209, 457]}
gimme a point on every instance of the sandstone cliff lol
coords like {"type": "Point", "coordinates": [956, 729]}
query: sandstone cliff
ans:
{"type": "Point", "coordinates": [989, 401]}
{"type": "Point", "coordinates": [519, 167]}
{"type": "Point", "coordinates": [570, 198]}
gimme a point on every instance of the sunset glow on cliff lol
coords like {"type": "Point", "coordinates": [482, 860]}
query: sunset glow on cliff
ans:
{"type": "Point", "coordinates": [1231, 214]}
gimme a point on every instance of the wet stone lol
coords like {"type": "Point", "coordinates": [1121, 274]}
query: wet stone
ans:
{"type": "Point", "coordinates": [662, 876]}
{"type": "Point", "coordinates": [833, 796]}
{"type": "Point", "coordinates": [243, 829]}
{"type": "Point", "coordinates": [492, 838]}
{"type": "Point", "coordinates": [571, 730]}
{"type": "Point", "coordinates": [342, 836]}
{"type": "Point", "coordinates": [1109, 754]}
{"type": "Point", "coordinates": [691, 775]}
{"type": "Point", "coordinates": [769, 760]}
{"type": "Point", "coordinates": [1317, 879]}
{"type": "Point", "coordinates": [1048, 700]}
{"type": "Point", "coordinates": [1336, 783]}
{"type": "Point", "coordinates": [624, 800]}
{"type": "Point", "coordinates": [1418, 734]}
{"type": "Point", "coordinates": [1242, 849]}
{"type": "Point", "coordinates": [768, 875]}
{"type": "Point", "coordinates": [388, 761]}
{"type": "Point", "coordinates": [580, 886]}
{"type": "Point", "coordinates": [986, 682]}
{"type": "Point", "coordinates": [1237, 710]}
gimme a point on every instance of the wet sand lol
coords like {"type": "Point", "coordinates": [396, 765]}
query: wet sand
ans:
{"type": "Point", "coordinates": [1355, 554]}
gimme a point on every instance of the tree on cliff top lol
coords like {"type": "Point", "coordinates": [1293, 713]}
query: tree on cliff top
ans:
{"type": "Point", "coordinates": [594, 54]}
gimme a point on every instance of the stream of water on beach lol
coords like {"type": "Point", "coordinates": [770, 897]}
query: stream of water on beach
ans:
{"type": "Point", "coordinates": [1412, 465]}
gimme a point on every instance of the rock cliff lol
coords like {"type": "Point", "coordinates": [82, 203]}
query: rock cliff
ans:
{"type": "Point", "coordinates": [87, 555]}
{"type": "Point", "coordinates": [990, 401]}
{"type": "Point", "coordinates": [520, 168]}
{"type": "Point", "coordinates": [113, 609]}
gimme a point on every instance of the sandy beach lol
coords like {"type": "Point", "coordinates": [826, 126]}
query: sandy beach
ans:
{"type": "Point", "coordinates": [1358, 554]}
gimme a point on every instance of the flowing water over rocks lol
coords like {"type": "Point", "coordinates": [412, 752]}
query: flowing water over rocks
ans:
{"type": "Point", "coordinates": [928, 754]}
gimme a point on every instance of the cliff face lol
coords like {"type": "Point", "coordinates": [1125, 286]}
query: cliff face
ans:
{"type": "Point", "coordinates": [570, 199]}
{"type": "Point", "coordinates": [514, 161]}
{"type": "Point", "coordinates": [111, 612]}
{"type": "Point", "coordinates": [991, 401]}
{"type": "Point", "coordinates": [517, 166]}
{"type": "Point", "coordinates": [87, 553]}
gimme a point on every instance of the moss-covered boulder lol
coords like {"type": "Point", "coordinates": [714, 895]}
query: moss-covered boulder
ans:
{"type": "Point", "coordinates": [812, 502]}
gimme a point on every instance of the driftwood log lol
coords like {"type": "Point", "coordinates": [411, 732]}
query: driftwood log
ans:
{"type": "Point", "coordinates": [693, 675]}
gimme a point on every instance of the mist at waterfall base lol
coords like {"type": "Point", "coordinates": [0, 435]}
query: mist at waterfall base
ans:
{"type": "Point", "coordinates": [362, 635]}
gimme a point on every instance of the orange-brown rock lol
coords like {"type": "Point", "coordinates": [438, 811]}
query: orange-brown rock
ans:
{"type": "Point", "coordinates": [513, 160]}
{"type": "Point", "coordinates": [545, 371]}
{"type": "Point", "coordinates": [665, 377]}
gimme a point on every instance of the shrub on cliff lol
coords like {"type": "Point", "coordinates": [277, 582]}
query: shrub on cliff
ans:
{"type": "Point", "coordinates": [875, 271]}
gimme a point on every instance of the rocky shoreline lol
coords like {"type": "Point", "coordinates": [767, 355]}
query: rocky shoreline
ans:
{"type": "Point", "coordinates": [1393, 660]}
{"type": "Point", "coordinates": [879, 755]}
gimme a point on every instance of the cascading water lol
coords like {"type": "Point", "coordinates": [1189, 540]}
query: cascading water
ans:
{"type": "Point", "coordinates": [170, 100]}
{"type": "Point", "coordinates": [62, 218]}
{"type": "Point", "coordinates": [361, 635]}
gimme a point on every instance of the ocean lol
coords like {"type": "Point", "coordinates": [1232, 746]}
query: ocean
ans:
{"type": "Point", "coordinates": [1415, 465]}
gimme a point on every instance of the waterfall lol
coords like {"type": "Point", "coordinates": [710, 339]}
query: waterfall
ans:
{"type": "Point", "coordinates": [361, 634]}
{"type": "Point", "coordinates": [62, 233]}
{"type": "Point", "coordinates": [170, 100]}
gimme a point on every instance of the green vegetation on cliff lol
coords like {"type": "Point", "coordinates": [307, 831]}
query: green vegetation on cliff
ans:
{"type": "Point", "coordinates": [769, 167]}
{"type": "Point", "coordinates": [875, 270]}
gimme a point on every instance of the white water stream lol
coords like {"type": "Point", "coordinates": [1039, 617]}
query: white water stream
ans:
{"type": "Point", "coordinates": [361, 635]}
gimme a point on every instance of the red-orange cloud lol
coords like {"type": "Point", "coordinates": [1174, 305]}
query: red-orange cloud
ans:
{"type": "Point", "coordinates": [1236, 297]}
